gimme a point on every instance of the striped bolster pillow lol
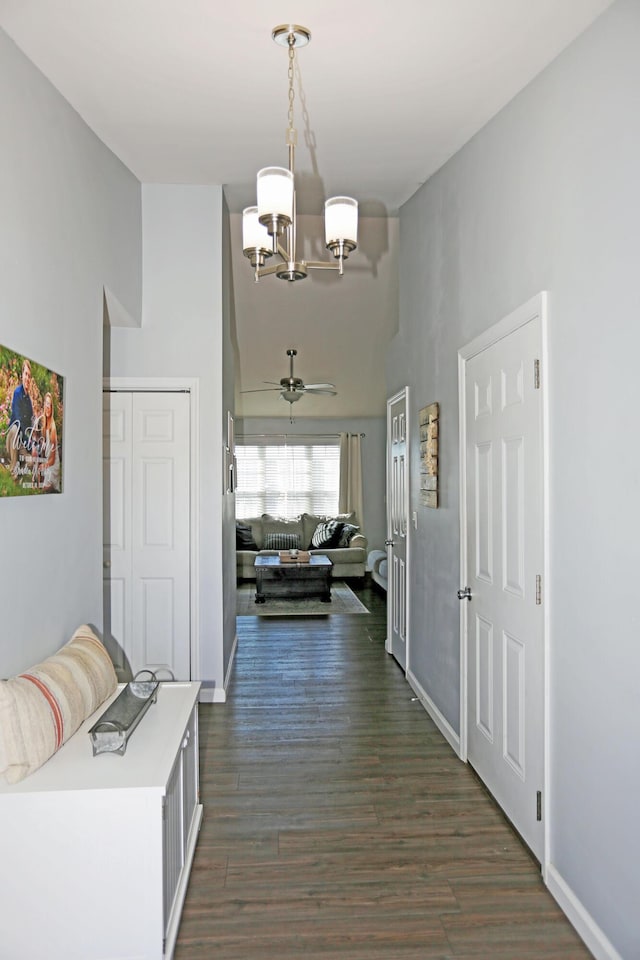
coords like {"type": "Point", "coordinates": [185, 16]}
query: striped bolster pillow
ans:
{"type": "Point", "coordinates": [46, 704]}
{"type": "Point", "coordinates": [282, 541]}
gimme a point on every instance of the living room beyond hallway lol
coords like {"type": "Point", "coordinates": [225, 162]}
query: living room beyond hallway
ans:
{"type": "Point", "coordinates": [339, 824]}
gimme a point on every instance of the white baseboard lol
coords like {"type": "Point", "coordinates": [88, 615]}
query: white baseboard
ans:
{"type": "Point", "coordinates": [440, 721]}
{"type": "Point", "coordinates": [227, 679]}
{"type": "Point", "coordinates": [576, 913]}
{"type": "Point", "coordinates": [215, 694]}
{"type": "Point", "coordinates": [579, 917]}
{"type": "Point", "coordinates": [212, 695]}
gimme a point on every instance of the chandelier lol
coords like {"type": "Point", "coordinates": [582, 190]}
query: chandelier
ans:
{"type": "Point", "coordinates": [270, 227]}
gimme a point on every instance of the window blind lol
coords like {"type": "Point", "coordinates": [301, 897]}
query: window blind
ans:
{"type": "Point", "coordinates": [287, 476]}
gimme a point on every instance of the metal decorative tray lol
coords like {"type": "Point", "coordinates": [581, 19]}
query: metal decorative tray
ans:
{"type": "Point", "coordinates": [110, 734]}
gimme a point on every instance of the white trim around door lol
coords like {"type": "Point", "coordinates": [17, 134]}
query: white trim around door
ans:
{"type": "Point", "coordinates": [535, 308]}
{"type": "Point", "coordinates": [398, 456]}
{"type": "Point", "coordinates": [188, 385]}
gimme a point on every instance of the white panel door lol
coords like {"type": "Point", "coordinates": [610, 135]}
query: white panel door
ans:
{"type": "Point", "coordinates": [505, 544]}
{"type": "Point", "coordinates": [147, 531]}
{"type": "Point", "coordinates": [397, 526]}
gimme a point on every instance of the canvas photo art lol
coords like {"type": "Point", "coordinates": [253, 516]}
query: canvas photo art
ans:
{"type": "Point", "coordinates": [31, 426]}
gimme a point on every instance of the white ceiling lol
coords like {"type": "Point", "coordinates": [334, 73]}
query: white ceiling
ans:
{"type": "Point", "coordinates": [195, 91]}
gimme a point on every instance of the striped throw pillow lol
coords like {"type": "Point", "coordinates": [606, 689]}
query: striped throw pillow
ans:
{"type": "Point", "coordinates": [45, 705]}
{"type": "Point", "coordinates": [282, 541]}
{"type": "Point", "coordinates": [327, 535]}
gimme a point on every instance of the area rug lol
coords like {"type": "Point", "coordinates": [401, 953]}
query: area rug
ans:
{"type": "Point", "coordinates": [343, 600]}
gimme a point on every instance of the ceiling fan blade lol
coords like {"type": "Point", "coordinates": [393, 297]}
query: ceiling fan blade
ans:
{"type": "Point", "coordinates": [321, 391]}
{"type": "Point", "coordinates": [263, 390]}
{"type": "Point", "coordinates": [293, 388]}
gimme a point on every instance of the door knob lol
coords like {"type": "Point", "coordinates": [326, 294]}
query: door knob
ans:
{"type": "Point", "coordinates": [389, 543]}
{"type": "Point", "coordinates": [464, 594]}
{"type": "Point", "coordinates": [106, 564]}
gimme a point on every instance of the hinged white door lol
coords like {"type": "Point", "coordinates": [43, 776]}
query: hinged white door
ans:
{"type": "Point", "coordinates": [147, 531]}
{"type": "Point", "coordinates": [505, 557]}
{"type": "Point", "coordinates": [397, 527]}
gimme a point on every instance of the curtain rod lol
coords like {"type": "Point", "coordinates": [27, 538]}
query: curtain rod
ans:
{"type": "Point", "coordinates": [304, 436]}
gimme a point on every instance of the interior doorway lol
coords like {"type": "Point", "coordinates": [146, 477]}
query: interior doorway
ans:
{"type": "Point", "coordinates": [503, 566]}
{"type": "Point", "coordinates": [148, 521]}
{"type": "Point", "coordinates": [397, 527]}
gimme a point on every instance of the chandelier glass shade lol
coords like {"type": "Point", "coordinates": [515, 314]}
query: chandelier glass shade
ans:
{"type": "Point", "coordinates": [270, 227]}
{"type": "Point", "coordinates": [275, 199]}
{"type": "Point", "coordinates": [254, 235]}
{"type": "Point", "coordinates": [341, 225]}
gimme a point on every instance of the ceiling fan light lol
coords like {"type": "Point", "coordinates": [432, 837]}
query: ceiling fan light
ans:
{"type": "Point", "coordinates": [254, 234]}
{"type": "Point", "coordinates": [341, 224]}
{"type": "Point", "coordinates": [275, 198]}
{"type": "Point", "coordinates": [291, 395]}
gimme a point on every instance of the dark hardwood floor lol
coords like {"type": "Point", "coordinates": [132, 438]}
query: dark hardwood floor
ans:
{"type": "Point", "coordinates": [338, 823]}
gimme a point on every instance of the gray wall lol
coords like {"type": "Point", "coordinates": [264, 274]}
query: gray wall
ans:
{"type": "Point", "coordinates": [373, 459]}
{"type": "Point", "coordinates": [182, 336]}
{"type": "Point", "coordinates": [546, 197]}
{"type": "Point", "coordinates": [228, 506]}
{"type": "Point", "coordinates": [70, 226]}
{"type": "Point", "coordinates": [340, 327]}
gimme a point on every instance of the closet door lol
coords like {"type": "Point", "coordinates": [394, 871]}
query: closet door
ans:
{"type": "Point", "coordinates": [397, 527]}
{"type": "Point", "coordinates": [146, 532]}
{"type": "Point", "coordinates": [505, 550]}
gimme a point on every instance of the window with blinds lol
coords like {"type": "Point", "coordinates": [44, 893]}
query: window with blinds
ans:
{"type": "Point", "coordinates": [287, 476]}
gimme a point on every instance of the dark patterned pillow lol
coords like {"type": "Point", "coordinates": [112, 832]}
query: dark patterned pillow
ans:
{"type": "Point", "coordinates": [348, 531]}
{"type": "Point", "coordinates": [244, 537]}
{"type": "Point", "coordinates": [327, 535]}
{"type": "Point", "coordinates": [282, 541]}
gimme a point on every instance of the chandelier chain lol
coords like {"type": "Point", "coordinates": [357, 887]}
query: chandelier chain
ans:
{"type": "Point", "coordinates": [269, 228]}
{"type": "Point", "coordinates": [291, 132]}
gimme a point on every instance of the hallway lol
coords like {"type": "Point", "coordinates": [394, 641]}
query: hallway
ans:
{"type": "Point", "coordinates": [338, 823]}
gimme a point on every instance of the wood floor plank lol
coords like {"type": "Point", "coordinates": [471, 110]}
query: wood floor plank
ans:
{"type": "Point", "coordinates": [339, 824]}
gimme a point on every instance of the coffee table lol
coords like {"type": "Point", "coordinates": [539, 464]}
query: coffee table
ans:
{"type": "Point", "coordinates": [277, 578]}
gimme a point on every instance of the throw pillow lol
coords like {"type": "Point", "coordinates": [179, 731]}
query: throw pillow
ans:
{"type": "Point", "coordinates": [270, 516]}
{"type": "Point", "coordinates": [244, 537]}
{"type": "Point", "coordinates": [327, 535]}
{"type": "Point", "coordinates": [269, 527]}
{"type": "Point", "coordinates": [43, 707]}
{"type": "Point", "coordinates": [282, 541]}
{"type": "Point", "coordinates": [309, 523]}
{"type": "Point", "coordinates": [348, 531]}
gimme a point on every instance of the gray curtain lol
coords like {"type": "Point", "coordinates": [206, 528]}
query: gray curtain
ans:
{"type": "Point", "coordinates": [351, 476]}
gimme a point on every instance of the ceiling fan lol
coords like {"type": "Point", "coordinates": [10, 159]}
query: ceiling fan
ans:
{"type": "Point", "coordinates": [291, 388]}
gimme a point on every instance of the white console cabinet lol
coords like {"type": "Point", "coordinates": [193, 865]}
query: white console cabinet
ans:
{"type": "Point", "coordinates": [95, 852]}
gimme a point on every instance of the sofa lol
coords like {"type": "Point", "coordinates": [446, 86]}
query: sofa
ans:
{"type": "Point", "coordinates": [338, 538]}
{"type": "Point", "coordinates": [377, 562]}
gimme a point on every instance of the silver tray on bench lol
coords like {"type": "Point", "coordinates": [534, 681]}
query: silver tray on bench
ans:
{"type": "Point", "coordinates": [110, 734]}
